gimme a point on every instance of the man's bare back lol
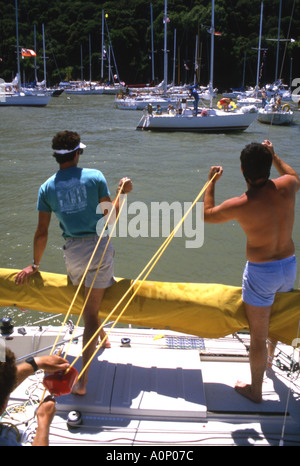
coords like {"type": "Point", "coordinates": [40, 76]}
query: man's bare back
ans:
{"type": "Point", "coordinates": [266, 214]}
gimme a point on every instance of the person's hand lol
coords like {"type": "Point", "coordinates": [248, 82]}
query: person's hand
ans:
{"type": "Point", "coordinates": [269, 145]}
{"type": "Point", "coordinates": [51, 363]}
{"type": "Point", "coordinates": [46, 412]}
{"type": "Point", "coordinates": [215, 170]}
{"type": "Point", "coordinates": [23, 276]}
{"type": "Point", "coordinates": [127, 185]}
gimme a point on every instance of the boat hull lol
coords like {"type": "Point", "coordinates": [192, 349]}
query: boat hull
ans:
{"type": "Point", "coordinates": [205, 310]}
{"type": "Point", "coordinates": [275, 118]}
{"type": "Point", "coordinates": [213, 122]}
{"type": "Point", "coordinates": [19, 100]}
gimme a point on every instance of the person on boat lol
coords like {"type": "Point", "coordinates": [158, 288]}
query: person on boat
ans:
{"type": "Point", "coordinates": [74, 194]}
{"type": "Point", "coordinates": [195, 95]}
{"type": "Point", "coordinates": [278, 102]}
{"type": "Point", "coordinates": [266, 214]}
{"type": "Point", "coordinates": [264, 99]}
{"type": "Point", "coordinates": [158, 110]}
{"type": "Point", "coordinates": [11, 376]}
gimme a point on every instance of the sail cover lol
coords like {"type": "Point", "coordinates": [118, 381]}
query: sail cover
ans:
{"type": "Point", "coordinates": [207, 310]}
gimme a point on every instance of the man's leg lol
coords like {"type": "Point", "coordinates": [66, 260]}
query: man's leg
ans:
{"type": "Point", "coordinates": [91, 324]}
{"type": "Point", "coordinates": [271, 350]}
{"type": "Point", "coordinates": [258, 318]}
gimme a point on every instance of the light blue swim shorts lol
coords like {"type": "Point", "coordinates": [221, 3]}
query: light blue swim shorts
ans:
{"type": "Point", "coordinates": [77, 253]}
{"type": "Point", "coordinates": [261, 281]}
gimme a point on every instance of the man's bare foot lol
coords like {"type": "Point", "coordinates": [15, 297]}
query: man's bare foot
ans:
{"type": "Point", "coordinates": [79, 388]}
{"type": "Point", "coordinates": [246, 391]}
{"type": "Point", "coordinates": [106, 342]}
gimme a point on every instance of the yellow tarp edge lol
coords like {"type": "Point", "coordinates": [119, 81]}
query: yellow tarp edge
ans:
{"type": "Point", "coordinates": [206, 310]}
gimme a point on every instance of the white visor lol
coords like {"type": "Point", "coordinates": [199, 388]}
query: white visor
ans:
{"type": "Point", "coordinates": [68, 151]}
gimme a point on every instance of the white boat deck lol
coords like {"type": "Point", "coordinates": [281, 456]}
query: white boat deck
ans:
{"type": "Point", "coordinates": [158, 391]}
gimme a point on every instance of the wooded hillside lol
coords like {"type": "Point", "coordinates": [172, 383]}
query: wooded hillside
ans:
{"type": "Point", "coordinates": [70, 24]}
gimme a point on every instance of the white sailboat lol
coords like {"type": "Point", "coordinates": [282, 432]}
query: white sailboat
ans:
{"type": "Point", "coordinates": [207, 120]}
{"type": "Point", "coordinates": [12, 94]}
{"type": "Point", "coordinates": [273, 116]}
{"type": "Point", "coordinates": [274, 113]}
{"type": "Point", "coordinates": [83, 87]}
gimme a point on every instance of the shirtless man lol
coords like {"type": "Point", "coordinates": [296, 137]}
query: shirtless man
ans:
{"type": "Point", "coordinates": [266, 214]}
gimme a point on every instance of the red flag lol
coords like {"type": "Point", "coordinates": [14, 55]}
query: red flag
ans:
{"type": "Point", "coordinates": [28, 53]}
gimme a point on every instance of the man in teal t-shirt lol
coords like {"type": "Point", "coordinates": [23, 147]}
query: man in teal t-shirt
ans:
{"type": "Point", "coordinates": [74, 195]}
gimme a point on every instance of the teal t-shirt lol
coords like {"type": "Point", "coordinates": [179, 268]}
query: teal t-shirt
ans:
{"type": "Point", "coordinates": [73, 195]}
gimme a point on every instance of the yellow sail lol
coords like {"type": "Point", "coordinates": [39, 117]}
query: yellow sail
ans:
{"type": "Point", "coordinates": [205, 310]}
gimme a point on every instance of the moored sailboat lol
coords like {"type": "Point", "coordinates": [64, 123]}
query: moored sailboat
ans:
{"type": "Point", "coordinates": [207, 120]}
{"type": "Point", "coordinates": [12, 94]}
{"type": "Point", "coordinates": [272, 115]}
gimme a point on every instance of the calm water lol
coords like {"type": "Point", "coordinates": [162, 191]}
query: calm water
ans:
{"type": "Point", "coordinates": [163, 167]}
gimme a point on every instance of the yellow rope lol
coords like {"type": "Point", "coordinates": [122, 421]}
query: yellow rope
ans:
{"type": "Point", "coordinates": [153, 260]}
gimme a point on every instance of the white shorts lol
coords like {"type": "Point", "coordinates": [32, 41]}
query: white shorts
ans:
{"type": "Point", "coordinates": [77, 254]}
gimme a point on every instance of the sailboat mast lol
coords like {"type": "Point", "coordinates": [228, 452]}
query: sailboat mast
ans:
{"type": "Point", "coordinates": [44, 53]}
{"type": "Point", "coordinates": [174, 57]}
{"type": "Point", "coordinates": [196, 62]}
{"type": "Point", "coordinates": [165, 50]}
{"type": "Point", "coordinates": [18, 47]}
{"type": "Point", "coordinates": [90, 57]}
{"type": "Point", "coordinates": [152, 43]}
{"type": "Point", "coordinates": [102, 46]}
{"type": "Point", "coordinates": [259, 48]}
{"type": "Point", "coordinates": [212, 37]}
{"type": "Point", "coordinates": [35, 48]}
{"type": "Point", "coordinates": [278, 41]}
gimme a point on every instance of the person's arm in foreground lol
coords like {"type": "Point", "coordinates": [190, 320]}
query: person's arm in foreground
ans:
{"type": "Point", "coordinates": [52, 363]}
{"type": "Point", "coordinates": [45, 414]}
{"type": "Point", "coordinates": [46, 411]}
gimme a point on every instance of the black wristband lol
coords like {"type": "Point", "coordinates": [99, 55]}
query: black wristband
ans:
{"type": "Point", "coordinates": [32, 362]}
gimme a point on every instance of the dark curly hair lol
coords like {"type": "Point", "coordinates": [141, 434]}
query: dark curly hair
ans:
{"type": "Point", "coordinates": [65, 140]}
{"type": "Point", "coordinates": [8, 376]}
{"type": "Point", "coordinates": [256, 162]}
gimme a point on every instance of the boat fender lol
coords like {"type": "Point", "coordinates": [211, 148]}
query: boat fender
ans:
{"type": "Point", "coordinates": [286, 108]}
{"type": "Point", "coordinates": [150, 109]}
